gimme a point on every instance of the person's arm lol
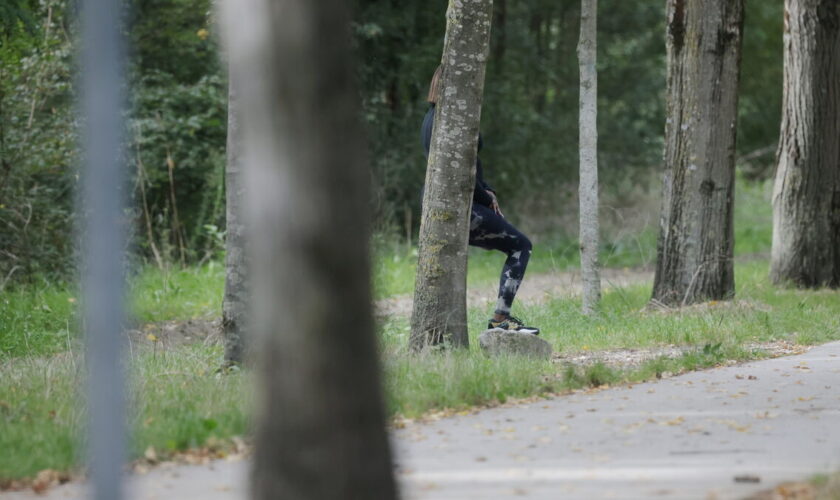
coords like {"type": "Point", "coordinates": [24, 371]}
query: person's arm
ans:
{"type": "Point", "coordinates": [482, 196]}
{"type": "Point", "coordinates": [426, 130]}
{"type": "Point", "coordinates": [480, 192]}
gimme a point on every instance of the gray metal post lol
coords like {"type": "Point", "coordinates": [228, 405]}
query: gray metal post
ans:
{"type": "Point", "coordinates": [102, 211]}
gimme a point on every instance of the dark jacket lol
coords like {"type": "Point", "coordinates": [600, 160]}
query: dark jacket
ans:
{"type": "Point", "coordinates": [480, 195]}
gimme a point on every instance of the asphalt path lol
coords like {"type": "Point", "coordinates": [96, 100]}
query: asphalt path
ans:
{"type": "Point", "coordinates": [718, 434]}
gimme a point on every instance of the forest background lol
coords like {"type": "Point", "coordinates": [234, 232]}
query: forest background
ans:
{"type": "Point", "coordinates": [177, 124]}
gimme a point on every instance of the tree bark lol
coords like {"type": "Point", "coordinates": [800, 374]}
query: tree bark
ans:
{"type": "Point", "coordinates": [320, 425]}
{"type": "Point", "coordinates": [696, 240]}
{"type": "Point", "coordinates": [235, 303]}
{"type": "Point", "coordinates": [589, 224]}
{"type": "Point", "coordinates": [440, 304]}
{"type": "Point", "coordinates": [806, 195]}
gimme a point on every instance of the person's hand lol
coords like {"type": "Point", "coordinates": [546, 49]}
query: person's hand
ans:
{"type": "Point", "coordinates": [494, 204]}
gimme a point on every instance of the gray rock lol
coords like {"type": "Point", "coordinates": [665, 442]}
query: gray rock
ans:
{"type": "Point", "coordinates": [498, 342]}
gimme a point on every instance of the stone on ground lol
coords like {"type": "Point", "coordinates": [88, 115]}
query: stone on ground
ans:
{"type": "Point", "coordinates": [498, 342]}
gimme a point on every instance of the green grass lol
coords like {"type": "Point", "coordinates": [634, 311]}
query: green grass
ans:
{"type": "Point", "coordinates": [176, 403]}
{"type": "Point", "coordinates": [761, 313]}
{"type": "Point", "coordinates": [178, 294]}
{"type": "Point", "coordinates": [39, 418]}
{"type": "Point", "coordinates": [37, 320]}
{"type": "Point", "coordinates": [41, 320]}
{"type": "Point", "coordinates": [753, 218]}
{"type": "Point", "coordinates": [827, 487]}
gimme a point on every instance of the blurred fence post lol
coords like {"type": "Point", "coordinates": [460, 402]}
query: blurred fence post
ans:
{"type": "Point", "coordinates": [101, 213]}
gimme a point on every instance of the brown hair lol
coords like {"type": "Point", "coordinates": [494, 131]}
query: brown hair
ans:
{"type": "Point", "coordinates": [434, 86]}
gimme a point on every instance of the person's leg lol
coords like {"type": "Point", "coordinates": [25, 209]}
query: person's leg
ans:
{"type": "Point", "coordinates": [491, 231]}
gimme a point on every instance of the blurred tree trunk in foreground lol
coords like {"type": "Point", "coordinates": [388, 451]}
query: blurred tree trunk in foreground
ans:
{"type": "Point", "coordinates": [320, 430]}
{"type": "Point", "coordinates": [696, 238]}
{"type": "Point", "coordinates": [806, 197]}
{"type": "Point", "coordinates": [235, 304]}
{"type": "Point", "coordinates": [440, 290]}
{"type": "Point", "coordinates": [589, 227]}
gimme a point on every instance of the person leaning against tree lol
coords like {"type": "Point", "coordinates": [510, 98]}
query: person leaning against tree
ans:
{"type": "Point", "coordinates": [490, 230]}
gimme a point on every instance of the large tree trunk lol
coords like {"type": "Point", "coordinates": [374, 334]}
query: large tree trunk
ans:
{"type": "Point", "coordinates": [806, 198]}
{"type": "Point", "coordinates": [320, 429]}
{"type": "Point", "coordinates": [589, 227]}
{"type": "Point", "coordinates": [440, 302]}
{"type": "Point", "coordinates": [235, 304]}
{"type": "Point", "coordinates": [696, 241]}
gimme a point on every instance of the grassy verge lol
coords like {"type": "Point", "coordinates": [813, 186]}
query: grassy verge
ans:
{"type": "Point", "coordinates": [178, 402]}
{"type": "Point", "coordinates": [36, 320]}
{"type": "Point", "coordinates": [827, 487]}
{"type": "Point", "coordinates": [177, 294]}
{"type": "Point", "coordinates": [175, 403]}
{"type": "Point", "coordinates": [821, 487]}
{"type": "Point", "coordinates": [40, 320]}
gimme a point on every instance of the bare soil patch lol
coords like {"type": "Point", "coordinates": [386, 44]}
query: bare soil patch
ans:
{"type": "Point", "coordinates": [633, 358]}
{"type": "Point", "coordinates": [537, 288]}
{"type": "Point", "coordinates": [173, 334]}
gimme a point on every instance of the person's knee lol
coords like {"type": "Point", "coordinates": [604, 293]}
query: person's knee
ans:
{"type": "Point", "coordinates": [524, 244]}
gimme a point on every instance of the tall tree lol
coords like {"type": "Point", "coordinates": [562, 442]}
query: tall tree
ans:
{"type": "Point", "coordinates": [806, 197]}
{"type": "Point", "coordinates": [320, 429]}
{"type": "Point", "coordinates": [696, 240]}
{"type": "Point", "coordinates": [589, 227]}
{"type": "Point", "coordinates": [235, 303]}
{"type": "Point", "coordinates": [440, 290]}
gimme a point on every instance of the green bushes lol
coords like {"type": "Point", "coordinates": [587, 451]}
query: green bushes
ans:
{"type": "Point", "coordinates": [37, 145]}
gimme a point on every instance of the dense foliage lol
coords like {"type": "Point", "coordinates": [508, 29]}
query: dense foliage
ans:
{"type": "Point", "coordinates": [37, 141]}
{"type": "Point", "coordinates": [176, 124]}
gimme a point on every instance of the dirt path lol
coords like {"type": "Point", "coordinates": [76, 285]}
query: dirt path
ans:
{"type": "Point", "coordinates": [535, 289]}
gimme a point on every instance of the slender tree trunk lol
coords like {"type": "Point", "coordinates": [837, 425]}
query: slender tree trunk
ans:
{"type": "Point", "coordinates": [440, 303]}
{"type": "Point", "coordinates": [806, 198]}
{"type": "Point", "coordinates": [589, 227]}
{"type": "Point", "coordinates": [320, 428]}
{"type": "Point", "coordinates": [235, 304]}
{"type": "Point", "coordinates": [696, 240]}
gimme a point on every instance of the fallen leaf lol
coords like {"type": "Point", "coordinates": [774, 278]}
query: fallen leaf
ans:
{"type": "Point", "coordinates": [151, 455]}
{"type": "Point", "coordinates": [45, 479]}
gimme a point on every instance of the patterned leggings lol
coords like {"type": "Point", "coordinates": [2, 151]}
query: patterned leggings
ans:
{"type": "Point", "coordinates": [492, 232]}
